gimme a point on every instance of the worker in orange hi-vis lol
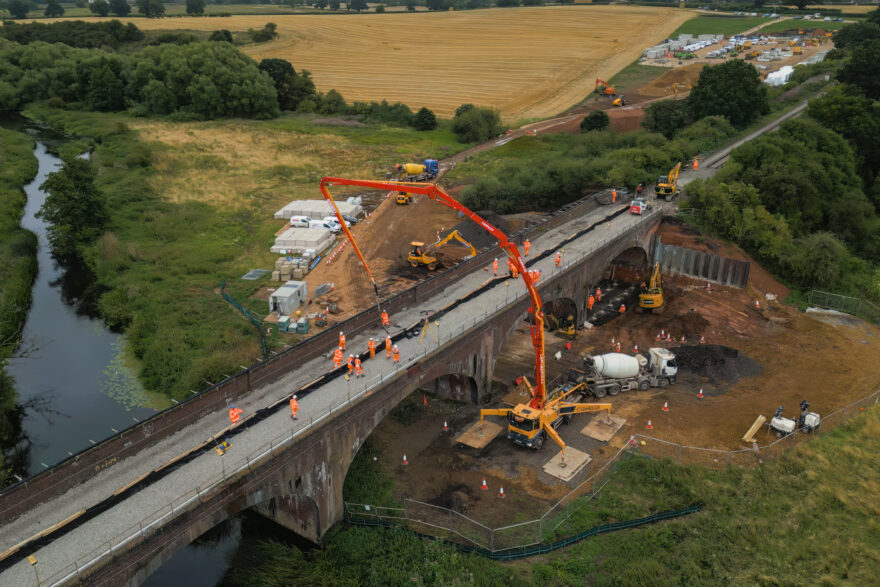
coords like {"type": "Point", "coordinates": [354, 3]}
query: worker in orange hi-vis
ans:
{"type": "Point", "coordinates": [342, 341]}
{"type": "Point", "coordinates": [396, 355]}
{"type": "Point", "coordinates": [337, 357]}
{"type": "Point", "coordinates": [526, 246]}
{"type": "Point", "coordinates": [613, 195]}
{"type": "Point", "coordinates": [385, 320]}
{"type": "Point", "coordinates": [294, 407]}
{"type": "Point", "coordinates": [234, 414]}
{"type": "Point", "coordinates": [696, 164]}
{"type": "Point", "coordinates": [598, 295]}
{"type": "Point", "coordinates": [558, 259]}
{"type": "Point", "coordinates": [350, 364]}
{"type": "Point", "coordinates": [590, 303]}
{"type": "Point", "coordinates": [495, 266]}
{"type": "Point", "coordinates": [372, 346]}
{"type": "Point", "coordinates": [622, 308]}
{"type": "Point", "coordinates": [387, 347]}
{"type": "Point", "coordinates": [358, 369]}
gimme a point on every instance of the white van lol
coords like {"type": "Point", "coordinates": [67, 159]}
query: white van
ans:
{"type": "Point", "coordinates": [334, 228]}
{"type": "Point", "coordinates": [300, 221]}
{"type": "Point", "coordinates": [334, 220]}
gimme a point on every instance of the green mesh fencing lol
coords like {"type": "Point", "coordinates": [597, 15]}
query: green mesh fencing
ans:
{"type": "Point", "coordinates": [264, 348]}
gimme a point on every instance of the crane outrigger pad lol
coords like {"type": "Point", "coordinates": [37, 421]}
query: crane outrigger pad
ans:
{"type": "Point", "coordinates": [477, 438]}
{"type": "Point", "coordinates": [603, 427]}
{"type": "Point", "coordinates": [573, 464]}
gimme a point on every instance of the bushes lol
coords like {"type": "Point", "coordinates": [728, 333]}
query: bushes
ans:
{"type": "Point", "coordinates": [476, 125]}
{"type": "Point", "coordinates": [75, 33]}
{"type": "Point", "coordinates": [666, 117]}
{"type": "Point", "coordinates": [598, 120]}
{"type": "Point", "coordinates": [424, 120]}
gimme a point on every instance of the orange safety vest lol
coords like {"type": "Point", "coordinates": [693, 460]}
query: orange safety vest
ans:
{"type": "Point", "coordinates": [357, 366]}
{"type": "Point", "coordinates": [342, 341]}
{"type": "Point", "coordinates": [234, 414]}
{"type": "Point", "coordinates": [396, 355]}
{"type": "Point", "coordinates": [337, 357]}
{"type": "Point", "coordinates": [495, 266]}
{"type": "Point", "coordinates": [527, 245]}
{"type": "Point", "coordinates": [558, 259]}
{"type": "Point", "coordinates": [622, 308]}
{"type": "Point", "coordinates": [350, 364]}
{"type": "Point", "coordinates": [294, 405]}
{"type": "Point", "coordinates": [590, 302]}
{"type": "Point", "coordinates": [385, 320]}
{"type": "Point", "coordinates": [387, 347]}
{"type": "Point", "coordinates": [598, 295]}
{"type": "Point", "coordinates": [372, 346]}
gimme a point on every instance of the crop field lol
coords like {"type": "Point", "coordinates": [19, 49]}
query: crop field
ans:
{"type": "Point", "coordinates": [527, 62]}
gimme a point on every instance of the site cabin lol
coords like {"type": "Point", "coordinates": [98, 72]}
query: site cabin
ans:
{"type": "Point", "coordinates": [287, 299]}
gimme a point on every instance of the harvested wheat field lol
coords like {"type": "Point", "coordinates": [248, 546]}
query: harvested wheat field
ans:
{"type": "Point", "coordinates": [527, 62]}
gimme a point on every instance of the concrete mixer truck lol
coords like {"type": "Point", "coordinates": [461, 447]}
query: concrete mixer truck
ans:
{"type": "Point", "coordinates": [612, 373]}
{"type": "Point", "coordinates": [417, 171]}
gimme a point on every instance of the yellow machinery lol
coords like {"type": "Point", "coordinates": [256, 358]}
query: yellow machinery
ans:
{"type": "Point", "coordinates": [797, 50]}
{"type": "Point", "coordinates": [564, 328]}
{"type": "Point", "coordinates": [419, 254]}
{"type": "Point", "coordinates": [667, 187]}
{"type": "Point", "coordinates": [619, 101]}
{"type": "Point", "coordinates": [651, 298]}
{"type": "Point", "coordinates": [403, 198]}
{"type": "Point", "coordinates": [529, 426]}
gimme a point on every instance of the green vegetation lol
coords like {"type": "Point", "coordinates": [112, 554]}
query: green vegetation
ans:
{"type": "Point", "coordinates": [597, 120]}
{"type": "Point", "coordinates": [74, 33]}
{"type": "Point", "coordinates": [718, 25]}
{"type": "Point", "coordinates": [733, 90]}
{"type": "Point", "coordinates": [18, 266]}
{"type": "Point", "coordinates": [476, 125]}
{"type": "Point", "coordinates": [804, 518]}
{"type": "Point", "coordinates": [636, 75]}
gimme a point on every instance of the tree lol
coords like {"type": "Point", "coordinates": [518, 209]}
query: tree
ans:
{"type": "Point", "coordinates": [19, 8]}
{"type": "Point", "coordinates": [436, 4]}
{"type": "Point", "coordinates": [666, 117]}
{"type": "Point", "coordinates": [595, 121]}
{"type": "Point", "coordinates": [357, 5]}
{"type": "Point", "coordinates": [463, 108]}
{"type": "Point", "coordinates": [856, 34]}
{"type": "Point", "coordinates": [74, 208]}
{"type": "Point", "coordinates": [195, 7]}
{"type": "Point", "coordinates": [533, 2]}
{"type": "Point", "coordinates": [321, 4]}
{"type": "Point", "coordinates": [424, 120]}
{"type": "Point", "coordinates": [53, 9]}
{"type": "Point", "coordinates": [861, 69]}
{"type": "Point", "coordinates": [477, 125]}
{"type": "Point", "coordinates": [151, 8]}
{"type": "Point", "coordinates": [334, 4]}
{"type": "Point", "coordinates": [120, 7]}
{"type": "Point", "coordinates": [100, 7]}
{"type": "Point", "coordinates": [732, 89]}
{"type": "Point", "coordinates": [411, 5]}
{"type": "Point", "coordinates": [221, 35]}
{"type": "Point", "coordinates": [507, 3]}
{"type": "Point", "coordinates": [380, 9]}
{"type": "Point", "coordinates": [291, 88]}
{"type": "Point", "coordinates": [801, 4]}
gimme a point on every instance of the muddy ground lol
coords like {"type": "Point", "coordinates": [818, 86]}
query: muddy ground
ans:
{"type": "Point", "coordinates": [753, 360]}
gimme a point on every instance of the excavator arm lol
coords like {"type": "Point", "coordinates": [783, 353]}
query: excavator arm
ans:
{"type": "Point", "coordinates": [655, 277]}
{"type": "Point", "coordinates": [435, 193]}
{"type": "Point", "coordinates": [455, 235]}
{"type": "Point", "coordinates": [672, 178]}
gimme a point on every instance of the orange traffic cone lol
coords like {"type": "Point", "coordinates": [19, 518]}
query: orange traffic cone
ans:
{"type": "Point", "coordinates": [668, 337]}
{"type": "Point", "coordinates": [484, 487]}
{"type": "Point", "coordinates": [665, 406]}
{"type": "Point", "coordinates": [700, 395]}
{"type": "Point", "coordinates": [445, 426]}
{"type": "Point", "coordinates": [501, 492]}
{"type": "Point", "coordinates": [635, 348]}
{"type": "Point", "coordinates": [702, 340]}
{"type": "Point", "coordinates": [424, 400]}
{"type": "Point", "coordinates": [757, 305]}
{"type": "Point", "coordinates": [682, 339]}
{"type": "Point", "coordinates": [405, 462]}
{"type": "Point", "coordinates": [708, 287]}
{"type": "Point", "coordinates": [649, 426]}
{"type": "Point", "coordinates": [662, 333]}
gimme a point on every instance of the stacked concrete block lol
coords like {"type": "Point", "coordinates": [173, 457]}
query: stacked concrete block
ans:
{"type": "Point", "coordinates": [318, 209]}
{"type": "Point", "coordinates": [300, 240]}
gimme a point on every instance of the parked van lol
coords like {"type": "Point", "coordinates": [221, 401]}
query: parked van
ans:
{"type": "Point", "coordinates": [300, 221]}
{"type": "Point", "coordinates": [334, 220]}
{"type": "Point", "coordinates": [334, 228]}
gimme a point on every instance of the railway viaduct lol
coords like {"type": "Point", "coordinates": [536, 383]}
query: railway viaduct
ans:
{"type": "Point", "coordinates": [125, 515]}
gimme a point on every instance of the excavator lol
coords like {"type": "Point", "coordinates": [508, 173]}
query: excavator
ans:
{"type": "Point", "coordinates": [419, 254]}
{"type": "Point", "coordinates": [564, 327]}
{"type": "Point", "coordinates": [667, 187]}
{"type": "Point", "coordinates": [527, 423]}
{"type": "Point", "coordinates": [606, 89]}
{"type": "Point", "coordinates": [619, 101]}
{"type": "Point", "coordinates": [651, 298]}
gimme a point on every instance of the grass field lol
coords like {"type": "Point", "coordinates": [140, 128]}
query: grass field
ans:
{"type": "Point", "coordinates": [724, 25]}
{"type": "Point", "coordinates": [527, 62]}
{"type": "Point", "coordinates": [791, 24]}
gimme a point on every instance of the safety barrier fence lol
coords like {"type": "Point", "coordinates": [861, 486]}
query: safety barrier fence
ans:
{"type": "Point", "coordinates": [356, 392]}
{"type": "Point", "coordinates": [850, 305]}
{"type": "Point", "coordinates": [257, 322]}
{"type": "Point", "coordinates": [86, 463]}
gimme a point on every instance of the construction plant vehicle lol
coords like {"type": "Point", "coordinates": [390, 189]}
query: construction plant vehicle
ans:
{"type": "Point", "coordinates": [431, 258]}
{"type": "Point", "coordinates": [564, 327]}
{"type": "Point", "coordinates": [619, 101]}
{"type": "Point", "coordinates": [529, 426]}
{"type": "Point", "coordinates": [639, 206]}
{"type": "Point", "coordinates": [605, 90]}
{"type": "Point", "coordinates": [612, 373]}
{"type": "Point", "coordinates": [667, 187]}
{"type": "Point", "coordinates": [430, 169]}
{"type": "Point", "coordinates": [651, 298]}
{"type": "Point", "coordinates": [403, 198]}
{"type": "Point", "coordinates": [808, 421]}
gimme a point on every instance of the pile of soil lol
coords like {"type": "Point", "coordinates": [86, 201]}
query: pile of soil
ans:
{"type": "Point", "coordinates": [476, 234]}
{"type": "Point", "coordinates": [688, 75]}
{"type": "Point", "coordinates": [721, 365]}
{"type": "Point", "coordinates": [692, 324]}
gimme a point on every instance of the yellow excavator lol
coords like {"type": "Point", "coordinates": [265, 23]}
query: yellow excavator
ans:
{"type": "Point", "coordinates": [529, 426]}
{"type": "Point", "coordinates": [419, 254]}
{"type": "Point", "coordinates": [619, 101]}
{"type": "Point", "coordinates": [667, 187]}
{"type": "Point", "coordinates": [651, 298]}
{"type": "Point", "coordinates": [563, 327]}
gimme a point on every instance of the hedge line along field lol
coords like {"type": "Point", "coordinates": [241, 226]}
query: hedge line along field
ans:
{"type": "Point", "coordinates": [527, 62]}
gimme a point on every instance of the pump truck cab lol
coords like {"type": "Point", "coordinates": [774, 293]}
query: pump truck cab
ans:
{"type": "Point", "coordinates": [612, 373]}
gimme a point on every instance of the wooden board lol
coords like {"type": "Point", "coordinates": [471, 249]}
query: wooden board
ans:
{"type": "Point", "coordinates": [479, 438]}
{"type": "Point", "coordinates": [603, 426]}
{"type": "Point", "coordinates": [750, 435]}
{"type": "Point", "coordinates": [573, 464]}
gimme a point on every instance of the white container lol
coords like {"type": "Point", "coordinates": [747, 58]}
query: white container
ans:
{"type": "Point", "coordinates": [617, 365]}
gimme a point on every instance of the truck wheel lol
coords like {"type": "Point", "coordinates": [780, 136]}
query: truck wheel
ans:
{"type": "Point", "coordinates": [614, 390]}
{"type": "Point", "coordinates": [644, 384]}
{"type": "Point", "coordinates": [778, 434]}
{"type": "Point", "coordinates": [539, 442]}
{"type": "Point", "coordinates": [432, 266]}
{"type": "Point", "coordinates": [414, 264]}
{"type": "Point", "coordinates": [567, 419]}
{"type": "Point", "coordinates": [599, 392]}
{"type": "Point", "coordinates": [664, 383]}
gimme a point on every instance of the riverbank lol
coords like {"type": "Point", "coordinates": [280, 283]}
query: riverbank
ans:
{"type": "Point", "coordinates": [18, 266]}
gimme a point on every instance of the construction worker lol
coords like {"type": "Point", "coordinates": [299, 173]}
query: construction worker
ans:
{"type": "Point", "coordinates": [639, 189]}
{"type": "Point", "coordinates": [386, 322]}
{"type": "Point", "coordinates": [613, 195]}
{"type": "Point", "coordinates": [396, 355]}
{"type": "Point", "coordinates": [696, 164]}
{"type": "Point", "coordinates": [558, 259]}
{"type": "Point", "coordinates": [617, 346]}
{"type": "Point", "coordinates": [495, 266]}
{"type": "Point", "coordinates": [372, 346]}
{"type": "Point", "coordinates": [590, 301]}
{"type": "Point", "coordinates": [350, 364]}
{"type": "Point", "coordinates": [598, 295]}
{"type": "Point", "coordinates": [294, 407]}
{"type": "Point", "coordinates": [526, 246]}
{"type": "Point", "coordinates": [342, 341]}
{"type": "Point", "coordinates": [622, 308]}
{"type": "Point", "coordinates": [337, 357]}
{"type": "Point", "coordinates": [234, 414]}
{"type": "Point", "coordinates": [387, 347]}
{"type": "Point", "coordinates": [358, 369]}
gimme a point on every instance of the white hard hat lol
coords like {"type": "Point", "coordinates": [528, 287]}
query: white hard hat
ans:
{"type": "Point", "coordinates": [294, 397]}
{"type": "Point", "coordinates": [350, 356]}
{"type": "Point", "coordinates": [340, 333]}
